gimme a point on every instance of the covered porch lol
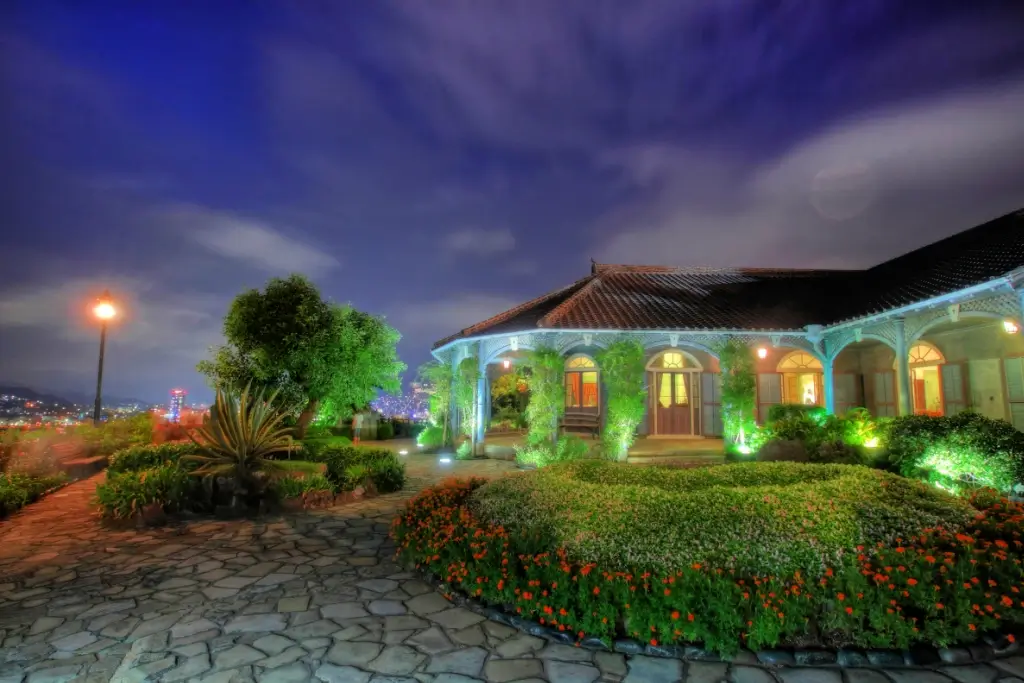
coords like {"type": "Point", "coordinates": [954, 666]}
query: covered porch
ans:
{"type": "Point", "coordinates": [710, 451]}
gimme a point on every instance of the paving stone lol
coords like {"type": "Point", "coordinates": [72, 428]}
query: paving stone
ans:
{"type": "Point", "coordinates": [235, 582]}
{"type": "Point", "coordinates": [432, 641]}
{"type": "Point", "coordinates": [344, 610]}
{"type": "Point", "coordinates": [522, 645]}
{"type": "Point", "coordinates": [504, 670]}
{"type": "Point", "coordinates": [107, 608]}
{"type": "Point", "coordinates": [386, 608]}
{"type": "Point", "coordinates": [752, 674]}
{"type": "Point", "coordinates": [190, 650]}
{"type": "Point", "coordinates": [568, 672]}
{"type": "Point", "coordinates": [329, 673]}
{"type": "Point", "coordinates": [404, 623]}
{"type": "Point", "coordinates": [416, 587]}
{"type": "Point", "coordinates": [44, 624]}
{"type": "Point", "coordinates": [314, 629]}
{"type": "Point", "coordinates": [273, 644]}
{"type": "Point", "coordinates": [59, 674]}
{"type": "Point", "coordinates": [565, 653]}
{"type": "Point", "coordinates": [254, 623]}
{"type": "Point", "coordinates": [428, 603]}
{"type": "Point", "coordinates": [283, 658]}
{"type": "Point", "coordinates": [467, 661]}
{"type": "Point", "coordinates": [188, 669]}
{"type": "Point", "coordinates": [295, 672]}
{"type": "Point", "coordinates": [190, 628]}
{"type": "Point", "coordinates": [353, 632]}
{"type": "Point", "coordinates": [456, 618]}
{"type": "Point", "coordinates": [643, 669]}
{"type": "Point", "coordinates": [972, 673]}
{"type": "Point", "coordinates": [498, 631]}
{"type": "Point", "coordinates": [1011, 665]}
{"type": "Point", "coordinates": [74, 641]}
{"type": "Point", "coordinates": [151, 626]}
{"type": "Point", "coordinates": [237, 656]}
{"type": "Point", "coordinates": [474, 635]}
{"type": "Point", "coordinates": [156, 666]}
{"type": "Point", "coordinates": [294, 604]}
{"type": "Point", "coordinates": [215, 593]}
{"type": "Point", "coordinates": [704, 672]}
{"type": "Point", "coordinates": [378, 585]}
{"type": "Point", "coordinates": [397, 660]}
{"type": "Point", "coordinates": [456, 678]}
{"type": "Point", "coordinates": [353, 653]}
{"type": "Point", "coordinates": [816, 675]}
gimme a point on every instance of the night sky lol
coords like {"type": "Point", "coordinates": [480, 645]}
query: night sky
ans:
{"type": "Point", "coordinates": [437, 162]}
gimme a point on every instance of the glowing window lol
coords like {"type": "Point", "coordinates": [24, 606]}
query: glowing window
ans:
{"type": "Point", "coordinates": [799, 360]}
{"type": "Point", "coordinates": [665, 390]}
{"type": "Point", "coordinates": [578, 362]}
{"type": "Point", "coordinates": [925, 353]}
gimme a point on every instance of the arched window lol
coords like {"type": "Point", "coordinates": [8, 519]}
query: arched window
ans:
{"type": "Point", "coordinates": [581, 385]}
{"type": "Point", "coordinates": [799, 361]}
{"type": "Point", "coordinates": [922, 353]}
{"type": "Point", "coordinates": [673, 360]}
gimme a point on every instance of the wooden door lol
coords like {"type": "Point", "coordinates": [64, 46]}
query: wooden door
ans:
{"type": "Point", "coordinates": [920, 405]}
{"type": "Point", "coordinates": [711, 404]}
{"type": "Point", "coordinates": [954, 395]}
{"type": "Point", "coordinates": [672, 401]}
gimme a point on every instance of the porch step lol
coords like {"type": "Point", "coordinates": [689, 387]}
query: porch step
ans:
{"type": "Point", "coordinates": [697, 457]}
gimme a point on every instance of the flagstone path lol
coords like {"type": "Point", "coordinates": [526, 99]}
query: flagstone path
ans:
{"type": "Point", "coordinates": [313, 596]}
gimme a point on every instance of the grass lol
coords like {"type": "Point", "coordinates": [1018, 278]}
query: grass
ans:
{"type": "Point", "coordinates": [758, 517]}
{"type": "Point", "coordinates": [302, 466]}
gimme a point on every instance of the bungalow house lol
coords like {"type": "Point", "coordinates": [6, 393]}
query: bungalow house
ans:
{"type": "Point", "coordinates": [934, 331]}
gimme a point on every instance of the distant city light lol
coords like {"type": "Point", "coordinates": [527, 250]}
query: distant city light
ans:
{"type": "Point", "coordinates": [177, 403]}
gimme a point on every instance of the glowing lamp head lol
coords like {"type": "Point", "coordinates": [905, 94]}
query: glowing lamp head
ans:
{"type": "Point", "coordinates": [104, 310]}
{"type": "Point", "coordinates": [872, 442]}
{"type": "Point", "coordinates": [762, 353]}
{"type": "Point", "coordinates": [506, 363]}
{"type": "Point", "coordinates": [1011, 327]}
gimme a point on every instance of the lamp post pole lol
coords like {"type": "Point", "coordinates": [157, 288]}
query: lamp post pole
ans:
{"type": "Point", "coordinates": [98, 407]}
{"type": "Point", "coordinates": [104, 311]}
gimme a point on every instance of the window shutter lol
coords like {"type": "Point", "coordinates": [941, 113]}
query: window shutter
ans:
{"type": "Point", "coordinates": [1013, 368]}
{"type": "Point", "coordinates": [711, 393]}
{"type": "Point", "coordinates": [769, 393]}
{"type": "Point", "coordinates": [885, 394]}
{"type": "Point", "coordinates": [844, 386]}
{"type": "Point", "coordinates": [953, 388]}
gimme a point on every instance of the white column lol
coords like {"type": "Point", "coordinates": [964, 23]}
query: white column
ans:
{"type": "Point", "coordinates": [481, 397]}
{"type": "Point", "coordinates": [829, 386]}
{"type": "Point", "coordinates": [902, 369]}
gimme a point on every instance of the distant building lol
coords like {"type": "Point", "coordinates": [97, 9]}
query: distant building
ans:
{"type": "Point", "coordinates": [177, 403]}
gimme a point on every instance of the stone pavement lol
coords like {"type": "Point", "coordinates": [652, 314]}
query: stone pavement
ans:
{"type": "Point", "coordinates": [303, 597]}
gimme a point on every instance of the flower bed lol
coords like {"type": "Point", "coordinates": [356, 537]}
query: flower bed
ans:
{"type": "Point", "coordinates": [837, 555]}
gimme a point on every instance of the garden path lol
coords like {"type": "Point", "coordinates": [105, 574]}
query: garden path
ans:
{"type": "Point", "coordinates": [312, 596]}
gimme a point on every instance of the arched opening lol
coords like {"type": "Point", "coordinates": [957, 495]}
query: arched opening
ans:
{"type": "Point", "coordinates": [582, 382]}
{"type": "Point", "coordinates": [675, 390]}
{"type": "Point", "coordinates": [802, 379]}
{"type": "Point", "coordinates": [926, 379]}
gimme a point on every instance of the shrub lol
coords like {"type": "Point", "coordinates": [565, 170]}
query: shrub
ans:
{"type": "Point", "coordinates": [126, 493]}
{"type": "Point", "coordinates": [623, 369]}
{"type": "Point", "coordinates": [18, 490]}
{"type": "Point", "coordinates": [784, 411]}
{"type": "Point", "coordinates": [824, 439]}
{"type": "Point", "coordinates": [964, 449]}
{"type": "Point", "coordinates": [295, 487]}
{"type": "Point", "coordinates": [893, 592]}
{"type": "Point", "coordinates": [385, 431]}
{"type": "Point", "coordinates": [384, 469]}
{"type": "Point", "coordinates": [313, 450]}
{"type": "Point", "coordinates": [144, 457]}
{"type": "Point", "coordinates": [431, 438]}
{"type": "Point", "coordinates": [465, 450]}
{"type": "Point", "coordinates": [569, 448]}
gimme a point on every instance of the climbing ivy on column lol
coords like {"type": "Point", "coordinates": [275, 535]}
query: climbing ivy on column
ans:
{"type": "Point", "coordinates": [546, 381]}
{"type": "Point", "coordinates": [739, 394]}
{"type": "Point", "coordinates": [622, 371]}
{"type": "Point", "coordinates": [464, 387]}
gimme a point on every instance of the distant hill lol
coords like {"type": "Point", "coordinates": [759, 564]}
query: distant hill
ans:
{"type": "Point", "coordinates": [67, 398]}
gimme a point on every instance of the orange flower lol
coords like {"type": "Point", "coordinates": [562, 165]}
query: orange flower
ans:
{"type": "Point", "coordinates": [675, 615]}
{"type": "Point", "coordinates": [849, 610]}
{"type": "Point", "coordinates": [911, 582]}
{"type": "Point", "coordinates": [841, 597]}
{"type": "Point", "coordinates": [689, 617]}
{"type": "Point", "coordinates": [596, 590]}
{"type": "Point", "coordinates": [939, 605]}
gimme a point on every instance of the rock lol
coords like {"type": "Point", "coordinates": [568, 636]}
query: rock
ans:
{"type": "Point", "coordinates": [628, 646]}
{"type": "Point", "coordinates": [594, 643]}
{"type": "Point", "coordinates": [777, 657]}
{"type": "Point", "coordinates": [851, 658]}
{"type": "Point", "coordinates": [705, 672]}
{"type": "Point", "coordinates": [290, 673]}
{"type": "Point", "coordinates": [885, 657]}
{"type": "Point", "coordinates": [256, 623]}
{"type": "Point", "coordinates": [567, 672]}
{"type": "Point", "coordinates": [397, 660]}
{"type": "Point", "coordinates": [955, 655]}
{"type": "Point", "coordinates": [814, 657]}
{"type": "Point", "coordinates": [750, 674]}
{"type": "Point", "coordinates": [328, 673]}
{"type": "Point", "coordinates": [468, 662]}
{"type": "Point", "coordinates": [75, 641]}
{"type": "Point", "coordinates": [643, 669]}
{"type": "Point", "coordinates": [610, 663]}
{"type": "Point", "coordinates": [973, 673]}
{"type": "Point", "coordinates": [817, 675]}
{"type": "Point", "coordinates": [505, 670]}
{"type": "Point", "coordinates": [188, 669]}
{"type": "Point", "coordinates": [349, 653]}
{"type": "Point", "coordinates": [566, 653]}
{"type": "Point", "coordinates": [432, 641]}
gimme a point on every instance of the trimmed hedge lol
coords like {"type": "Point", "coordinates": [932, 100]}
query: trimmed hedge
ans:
{"type": "Point", "coordinates": [940, 585]}
{"type": "Point", "coordinates": [135, 458]}
{"type": "Point", "coordinates": [126, 493]}
{"type": "Point", "coordinates": [352, 466]}
{"type": "Point", "coordinates": [18, 490]}
{"type": "Point", "coordinates": [782, 411]}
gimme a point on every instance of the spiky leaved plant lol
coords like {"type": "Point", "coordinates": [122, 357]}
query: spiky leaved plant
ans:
{"type": "Point", "coordinates": [237, 438]}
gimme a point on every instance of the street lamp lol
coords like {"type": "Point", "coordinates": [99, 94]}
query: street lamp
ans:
{"type": "Point", "coordinates": [103, 310]}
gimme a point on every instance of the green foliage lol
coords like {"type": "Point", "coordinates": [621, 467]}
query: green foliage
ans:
{"type": "Point", "coordinates": [288, 338]}
{"type": "Point", "coordinates": [113, 435]}
{"type": "Point", "coordinates": [304, 467]}
{"type": "Point", "coordinates": [568, 448]}
{"type": "Point", "coordinates": [508, 418]}
{"type": "Point", "coordinates": [438, 378]}
{"type": "Point", "coordinates": [623, 372]}
{"type": "Point", "coordinates": [237, 441]}
{"type": "Point", "coordinates": [464, 394]}
{"type": "Point", "coordinates": [296, 487]}
{"type": "Point", "coordinates": [148, 456]}
{"type": "Point", "coordinates": [967, 449]}
{"type": "Point", "coordinates": [739, 393]}
{"type": "Point", "coordinates": [546, 381]}
{"type": "Point", "coordinates": [895, 593]}
{"type": "Point", "coordinates": [784, 411]}
{"type": "Point", "coordinates": [384, 470]}
{"type": "Point", "coordinates": [126, 493]}
{"type": "Point", "coordinates": [312, 449]}
{"type": "Point", "coordinates": [464, 451]}
{"type": "Point", "coordinates": [431, 438]}
{"type": "Point", "coordinates": [385, 431]}
{"type": "Point", "coordinates": [18, 490]}
{"type": "Point", "coordinates": [822, 438]}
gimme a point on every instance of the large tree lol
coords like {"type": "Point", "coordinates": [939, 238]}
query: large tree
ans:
{"type": "Point", "coordinates": [289, 338]}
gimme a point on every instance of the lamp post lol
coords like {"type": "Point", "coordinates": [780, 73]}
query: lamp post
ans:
{"type": "Point", "coordinates": [104, 311]}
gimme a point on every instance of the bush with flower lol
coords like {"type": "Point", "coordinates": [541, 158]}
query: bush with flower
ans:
{"type": "Point", "coordinates": [906, 564]}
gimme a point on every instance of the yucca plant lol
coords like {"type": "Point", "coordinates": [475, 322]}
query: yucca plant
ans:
{"type": "Point", "coordinates": [236, 440]}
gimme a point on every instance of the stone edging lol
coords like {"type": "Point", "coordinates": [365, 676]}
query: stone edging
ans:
{"type": "Point", "coordinates": [918, 657]}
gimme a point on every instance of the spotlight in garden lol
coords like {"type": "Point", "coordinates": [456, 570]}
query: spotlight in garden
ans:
{"type": "Point", "coordinates": [1011, 327]}
{"type": "Point", "coordinates": [872, 442]}
{"type": "Point", "coordinates": [403, 452]}
{"type": "Point", "coordinates": [445, 460]}
{"type": "Point", "coordinates": [762, 353]}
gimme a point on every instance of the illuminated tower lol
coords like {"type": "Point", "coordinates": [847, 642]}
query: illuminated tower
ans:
{"type": "Point", "coordinates": [177, 403]}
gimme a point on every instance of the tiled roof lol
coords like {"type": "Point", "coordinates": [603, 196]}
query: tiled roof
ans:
{"type": "Point", "coordinates": [623, 297]}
